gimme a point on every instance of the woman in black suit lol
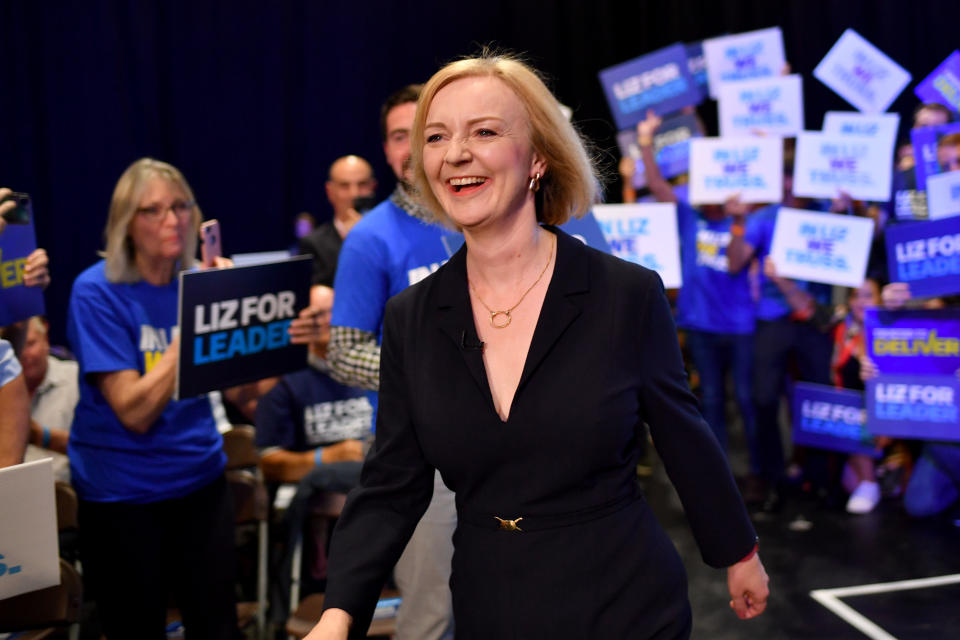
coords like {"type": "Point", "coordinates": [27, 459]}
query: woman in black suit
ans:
{"type": "Point", "coordinates": [524, 370]}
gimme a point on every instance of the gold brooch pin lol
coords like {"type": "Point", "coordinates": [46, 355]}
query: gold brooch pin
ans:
{"type": "Point", "coordinates": [509, 525]}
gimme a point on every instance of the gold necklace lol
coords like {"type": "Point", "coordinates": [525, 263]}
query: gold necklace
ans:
{"type": "Point", "coordinates": [503, 324]}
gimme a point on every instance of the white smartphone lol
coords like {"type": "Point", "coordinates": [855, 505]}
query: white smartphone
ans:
{"type": "Point", "coordinates": [210, 248]}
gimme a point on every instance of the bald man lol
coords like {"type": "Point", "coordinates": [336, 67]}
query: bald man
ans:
{"type": "Point", "coordinates": [350, 177]}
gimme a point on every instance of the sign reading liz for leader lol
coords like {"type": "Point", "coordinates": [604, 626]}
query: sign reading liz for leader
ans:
{"type": "Point", "coordinates": [17, 301]}
{"type": "Point", "coordinates": [751, 168]}
{"type": "Point", "coordinates": [925, 255]}
{"type": "Point", "coordinates": [660, 81]}
{"type": "Point", "coordinates": [861, 74]}
{"type": "Point", "coordinates": [917, 356]}
{"type": "Point", "coordinates": [233, 324]}
{"type": "Point", "coordinates": [829, 418]}
{"type": "Point", "coordinates": [821, 247]}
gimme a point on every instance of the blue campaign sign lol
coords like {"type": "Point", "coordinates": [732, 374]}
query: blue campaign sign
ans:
{"type": "Point", "coordinates": [671, 147]}
{"type": "Point", "coordinates": [829, 418]}
{"type": "Point", "coordinates": [17, 301]}
{"type": "Point", "coordinates": [926, 255]}
{"type": "Point", "coordinates": [660, 81]}
{"type": "Point", "coordinates": [913, 341]}
{"type": "Point", "coordinates": [922, 407]}
{"type": "Point", "coordinates": [943, 85]}
{"type": "Point", "coordinates": [233, 324]}
{"type": "Point", "coordinates": [925, 140]}
{"type": "Point", "coordinates": [697, 64]}
{"type": "Point", "coordinates": [587, 231]}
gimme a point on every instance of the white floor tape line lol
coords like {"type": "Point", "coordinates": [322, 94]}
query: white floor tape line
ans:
{"type": "Point", "coordinates": [830, 598]}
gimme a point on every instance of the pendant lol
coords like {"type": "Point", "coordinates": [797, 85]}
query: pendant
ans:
{"type": "Point", "coordinates": [503, 324]}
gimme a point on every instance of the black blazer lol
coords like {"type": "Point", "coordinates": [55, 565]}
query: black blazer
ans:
{"type": "Point", "coordinates": [604, 360]}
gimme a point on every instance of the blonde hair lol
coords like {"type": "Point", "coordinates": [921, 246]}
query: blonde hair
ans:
{"type": "Point", "coordinates": [569, 186]}
{"type": "Point", "coordinates": [119, 253]}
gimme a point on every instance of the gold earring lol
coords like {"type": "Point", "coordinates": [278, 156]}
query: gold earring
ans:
{"type": "Point", "coordinates": [534, 185]}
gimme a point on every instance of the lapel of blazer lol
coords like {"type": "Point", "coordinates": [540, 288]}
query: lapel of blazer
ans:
{"type": "Point", "coordinates": [561, 306]}
{"type": "Point", "coordinates": [455, 316]}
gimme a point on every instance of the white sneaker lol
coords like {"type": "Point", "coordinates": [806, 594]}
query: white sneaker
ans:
{"type": "Point", "coordinates": [864, 498]}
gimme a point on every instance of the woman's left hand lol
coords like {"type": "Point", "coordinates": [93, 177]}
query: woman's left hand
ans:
{"type": "Point", "coordinates": [35, 273]}
{"type": "Point", "coordinates": [748, 584]}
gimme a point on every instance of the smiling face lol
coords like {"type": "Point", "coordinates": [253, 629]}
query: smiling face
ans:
{"type": "Point", "coordinates": [160, 237]}
{"type": "Point", "coordinates": [477, 154]}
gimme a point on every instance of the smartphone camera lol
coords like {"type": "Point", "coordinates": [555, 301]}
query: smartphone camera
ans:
{"type": "Point", "coordinates": [364, 203]}
{"type": "Point", "coordinates": [20, 214]}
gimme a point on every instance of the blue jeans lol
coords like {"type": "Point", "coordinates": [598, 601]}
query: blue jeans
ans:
{"type": "Point", "coordinates": [714, 354]}
{"type": "Point", "coordinates": [935, 482]}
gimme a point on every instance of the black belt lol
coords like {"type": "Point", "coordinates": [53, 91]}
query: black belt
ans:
{"type": "Point", "coordinates": [521, 523]}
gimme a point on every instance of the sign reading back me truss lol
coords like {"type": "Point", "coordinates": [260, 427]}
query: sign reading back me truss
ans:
{"type": "Point", "coordinates": [821, 247]}
{"type": "Point", "coordinates": [660, 81]}
{"type": "Point", "coordinates": [917, 355]}
{"type": "Point", "coordinates": [233, 324]}
{"type": "Point", "coordinates": [827, 164]}
{"type": "Point", "coordinates": [721, 168]}
{"type": "Point", "coordinates": [861, 74]}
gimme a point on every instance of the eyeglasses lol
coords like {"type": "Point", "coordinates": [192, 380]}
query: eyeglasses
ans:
{"type": "Point", "coordinates": [157, 212]}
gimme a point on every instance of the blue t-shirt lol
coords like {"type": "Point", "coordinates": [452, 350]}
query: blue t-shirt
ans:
{"type": "Point", "coordinates": [119, 326]}
{"type": "Point", "coordinates": [386, 251]}
{"type": "Point", "coordinates": [772, 304]}
{"type": "Point", "coordinates": [711, 298]}
{"type": "Point", "coordinates": [9, 365]}
{"type": "Point", "coordinates": [307, 409]}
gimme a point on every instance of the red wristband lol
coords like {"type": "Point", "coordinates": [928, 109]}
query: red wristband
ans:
{"type": "Point", "coordinates": [752, 553]}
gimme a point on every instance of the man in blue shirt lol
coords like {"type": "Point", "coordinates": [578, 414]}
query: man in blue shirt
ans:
{"type": "Point", "coordinates": [394, 246]}
{"type": "Point", "coordinates": [779, 339]}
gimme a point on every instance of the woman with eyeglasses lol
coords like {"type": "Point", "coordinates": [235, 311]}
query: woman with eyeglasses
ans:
{"type": "Point", "coordinates": [155, 514]}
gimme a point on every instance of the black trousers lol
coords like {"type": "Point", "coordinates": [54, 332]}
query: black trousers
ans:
{"type": "Point", "coordinates": [135, 556]}
{"type": "Point", "coordinates": [777, 345]}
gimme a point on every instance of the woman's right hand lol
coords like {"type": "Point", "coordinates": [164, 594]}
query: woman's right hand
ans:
{"type": "Point", "coordinates": [334, 625]}
{"type": "Point", "coordinates": [647, 127]}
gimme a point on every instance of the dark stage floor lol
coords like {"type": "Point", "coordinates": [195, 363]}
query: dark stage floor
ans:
{"type": "Point", "coordinates": [807, 547]}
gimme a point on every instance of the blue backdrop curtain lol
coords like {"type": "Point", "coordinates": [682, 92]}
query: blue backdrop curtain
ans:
{"type": "Point", "coordinates": [254, 100]}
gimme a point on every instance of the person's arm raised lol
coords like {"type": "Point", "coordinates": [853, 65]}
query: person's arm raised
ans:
{"type": "Point", "coordinates": [657, 184]}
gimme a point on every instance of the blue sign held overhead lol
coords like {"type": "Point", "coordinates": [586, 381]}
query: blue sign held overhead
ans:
{"type": "Point", "coordinates": [660, 81]}
{"type": "Point", "coordinates": [943, 85]}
